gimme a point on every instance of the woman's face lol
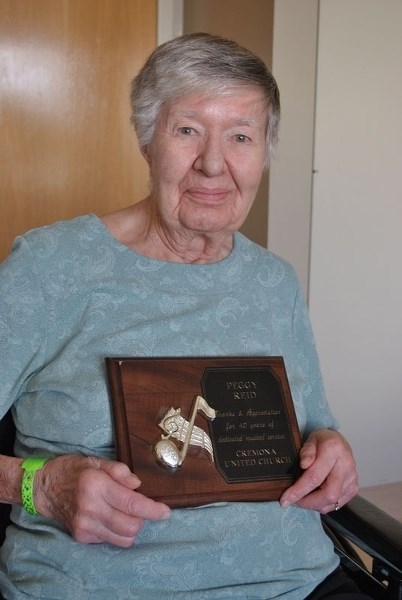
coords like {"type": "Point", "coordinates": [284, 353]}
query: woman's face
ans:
{"type": "Point", "coordinates": [206, 160]}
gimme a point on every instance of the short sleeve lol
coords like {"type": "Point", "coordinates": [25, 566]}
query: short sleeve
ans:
{"type": "Point", "coordinates": [22, 323]}
{"type": "Point", "coordinates": [306, 376]}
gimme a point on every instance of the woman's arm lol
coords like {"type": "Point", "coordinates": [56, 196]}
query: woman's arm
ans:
{"type": "Point", "coordinates": [94, 498]}
{"type": "Point", "coordinates": [10, 479]}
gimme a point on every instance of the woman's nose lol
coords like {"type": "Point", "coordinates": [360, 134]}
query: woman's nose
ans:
{"type": "Point", "coordinates": [210, 159]}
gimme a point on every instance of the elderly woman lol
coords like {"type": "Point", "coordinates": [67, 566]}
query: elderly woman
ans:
{"type": "Point", "coordinates": [168, 276]}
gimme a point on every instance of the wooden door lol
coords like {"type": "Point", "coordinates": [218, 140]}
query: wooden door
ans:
{"type": "Point", "coordinates": [66, 143]}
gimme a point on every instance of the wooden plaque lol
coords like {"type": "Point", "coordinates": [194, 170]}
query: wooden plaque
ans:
{"type": "Point", "coordinates": [165, 433]}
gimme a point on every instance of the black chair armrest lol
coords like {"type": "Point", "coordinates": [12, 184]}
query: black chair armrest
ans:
{"type": "Point", "coordinates": [375, 532]}
{"type": "Point", "coordinates": [370, 528]}
{"type": "Point", "coordinates": [7, 434]}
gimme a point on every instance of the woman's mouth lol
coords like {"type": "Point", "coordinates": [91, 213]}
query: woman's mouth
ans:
{"type": "Point", "coordinates": [208, 195]}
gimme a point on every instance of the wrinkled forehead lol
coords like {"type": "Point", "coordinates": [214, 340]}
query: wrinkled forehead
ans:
{"type": "Point", "coordinates": [245, 104]}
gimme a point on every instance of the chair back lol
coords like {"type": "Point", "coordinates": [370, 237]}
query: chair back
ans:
{"type": "Point", "coordinates": [7, 436]}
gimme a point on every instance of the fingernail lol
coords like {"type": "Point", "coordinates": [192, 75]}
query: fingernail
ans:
{"type": "Point", "coordinates": [285, 504]}
{"type": "Point", "coordinates": [166, 515]}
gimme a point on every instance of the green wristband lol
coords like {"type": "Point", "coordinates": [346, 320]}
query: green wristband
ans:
{"type": "Point", "coordinates": [30, 466]}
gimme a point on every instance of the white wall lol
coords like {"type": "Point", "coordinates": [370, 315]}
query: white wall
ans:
{"type": "Point", "coordinates": [355, 292]}
{"type": "Point", "coordinates": [170, 19]}
{"type": "Point", "coordinates": [290, 180]}
{"type": "Point", "coordinates": [356, 254]}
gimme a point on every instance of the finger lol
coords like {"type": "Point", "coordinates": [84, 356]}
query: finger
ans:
{"type": "Point", "coordinates": [319, 500]}
{"type": "Point", "coordinates": [307, 483]}
{"type": "Point", "coordinates": [326, 508]}
{"type": "Point", "coordinates": [120, 525]}
{"type": "Point", "coordinates": [308, 453]}
{"type": "Point", "coordinates": [98, 532]}
{"type": "Point", "coordinates": [113, 517]}
{"type": "Point", "coordinates": [120, 473]}
{"type": "Point", "coordinates": [135, 504]}
{"type": "Point", "coordinates": [335, 489]}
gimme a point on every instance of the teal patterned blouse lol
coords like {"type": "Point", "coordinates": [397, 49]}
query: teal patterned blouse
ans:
{"type": "Point", "coordinates": [71, 294]}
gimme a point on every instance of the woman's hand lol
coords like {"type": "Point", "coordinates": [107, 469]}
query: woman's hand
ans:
{"type": "Point", "coordinates": [95, 499]}
{"type": "Point", "coordinates": [329, 479]}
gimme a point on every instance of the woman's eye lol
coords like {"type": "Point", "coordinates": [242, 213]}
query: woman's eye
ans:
{"type": "Point", "coordinates": [240, 137]}
{"type": "Point", "coordinates": [186, 130]}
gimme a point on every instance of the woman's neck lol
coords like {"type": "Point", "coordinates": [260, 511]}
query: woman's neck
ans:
{"type": "Point", "coordinates": [140, 228]}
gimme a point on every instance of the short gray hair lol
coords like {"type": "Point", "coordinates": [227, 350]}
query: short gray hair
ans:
{"type": "Point", "coordinates": [204, 63]}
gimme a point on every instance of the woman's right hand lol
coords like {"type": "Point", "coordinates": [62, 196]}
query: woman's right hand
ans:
{"type": "Point", "coordinates": [95, 498]}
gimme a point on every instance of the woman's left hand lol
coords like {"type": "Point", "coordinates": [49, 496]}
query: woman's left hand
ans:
{"type": "Point", "coordinates": [329, 480]}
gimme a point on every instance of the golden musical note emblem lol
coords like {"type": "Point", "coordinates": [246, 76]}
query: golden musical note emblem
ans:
{"type": "Point", "coordinates": [176, 426]}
